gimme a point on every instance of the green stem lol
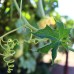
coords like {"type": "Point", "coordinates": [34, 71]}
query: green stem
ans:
{"type": "Point", "coordinates": [25, 21]}
{"type": "Point", "coordinates": [40, 7]}
{"type": "Point", "coordinates": [20, 8]}
{"type": "Point", "coordinates": [9, 32]}
{"type": "Point", "coordinates": [11, 12]}
{"type": "Point", "coordinates": [1, 38]}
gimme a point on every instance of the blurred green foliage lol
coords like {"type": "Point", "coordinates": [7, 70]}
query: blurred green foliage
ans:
{"type": "Point", "coordinates": [26, 55]}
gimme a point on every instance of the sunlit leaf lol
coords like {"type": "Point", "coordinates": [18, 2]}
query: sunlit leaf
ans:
{"type": "Point", "coordinates": [63, 32]}
{"type": "Point", "coordinates": [47, 32]}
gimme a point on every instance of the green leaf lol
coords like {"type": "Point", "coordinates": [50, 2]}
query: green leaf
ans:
{"type": "Point", "coordinates": [64, 45]}
{"type": "Point", "coordinates": [47, 33]}
{"type": "Point", "coordinates": [60, 25]}
{"type": "Point", "coordinates": [60, 28]}
{"type": "Point", "coordinates": [66, 33]}
{"type": "Point", "coordinates": [63, 32]}
{"type": "Point", "coordinates": [54, 50]}
{"type": "Point", "coordinates": [45, 48]}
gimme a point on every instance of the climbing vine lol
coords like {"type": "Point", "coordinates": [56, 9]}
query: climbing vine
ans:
{"type": "Point", "coordinates": [51, 31]}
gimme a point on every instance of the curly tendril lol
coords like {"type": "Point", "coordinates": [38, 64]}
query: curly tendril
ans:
{"type": "Point", "coordinates": [8, 54]}
{"type": "Point", "coordinates": [7, 58]}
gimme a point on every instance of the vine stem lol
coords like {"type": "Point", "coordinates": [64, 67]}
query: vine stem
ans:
{"type": "Point", "coordinates": [11, 7]}
{"type": "Point", "coordinates": [9, 32]}
{"type": "Point", "coordinates": [20, 8]}
{"type": "Point", "coordinates": [24, 19]}
{"type": "Point", "coordinates": [40, 7]}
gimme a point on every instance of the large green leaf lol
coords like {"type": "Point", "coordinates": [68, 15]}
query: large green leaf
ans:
{"type": "Point", "coordinates": [66, 33]}
{"type": "Point", "coordinates": [60, 28]}
{"type": "Point", "coordinates": [54, 50]}
{"type": "Point", "coordinates": [62, 31]}
{"type": "Point", "coordinates": [45, 48]}
{"type": "Point", "coordinates": [47, 33]}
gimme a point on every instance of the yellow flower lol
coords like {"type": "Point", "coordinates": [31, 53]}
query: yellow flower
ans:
{"type": "Point", "coordinates": [46, 21]}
